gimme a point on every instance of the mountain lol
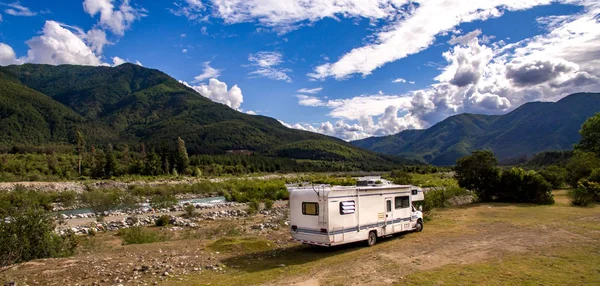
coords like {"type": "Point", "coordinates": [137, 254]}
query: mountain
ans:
{"type": "Point", "coordinates": [532, 128]}
{"type": "Point", "coordinates": [129, 104]}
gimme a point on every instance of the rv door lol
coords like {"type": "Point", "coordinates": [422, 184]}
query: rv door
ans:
{"type": "Point", "coordinates": [388, 227]}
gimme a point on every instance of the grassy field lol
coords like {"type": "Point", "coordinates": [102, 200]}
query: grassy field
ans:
{"type": "Point", "coordinates": [489, 244]}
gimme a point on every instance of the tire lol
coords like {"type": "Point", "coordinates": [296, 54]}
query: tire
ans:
{"type": "Point", "coordinates": [419, 226]}
{"type": "Point", "coordinates": [372, 240]}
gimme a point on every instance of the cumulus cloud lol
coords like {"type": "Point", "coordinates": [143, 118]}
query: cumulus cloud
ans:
{"type": "Point", "coordinates": [118, 61]}
{"type": "Point", "coordinates": [7, 55]}
{"type": "Point", "coordinates": [399, 80]}
{"type": "Point", "coordinates": [208, 73]}
{"type": "Point", "coordinates": [266, 64]}
{"type": "Point", "coordinates": [16, 9]}
{"type": "Point", "coordinates": [217, 91]}
{"type": "Point", "coordinates": [310, 90]}
{"type": "Point", "coordinates": [538, 71]}
{"type": "Point", "coordinates": [62, 44]}
{"type": "Point", "coordinates": [116, 19]}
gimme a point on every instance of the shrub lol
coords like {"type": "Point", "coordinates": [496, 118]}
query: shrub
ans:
{"type": "Point", "coordinates": [401, 177]}
{"type": "Point", "coordinates": [163, 201]}
{"type": "Point", "coordinates": [586, 193]}
{"type": "Point", "coordinates": [555, 175]}
{"type": "Point", "coordinates": [269, 204]}
{"type": "Point", "coordinates": [439, 197]}
{"type": "Point", "coordinates": [581, 166]}
{"type": "Point", "coordinates": [163, 220]}
{"type": "Point", "coordinates": [478, 173]}
{"type": "Point", "coordinates": [190, 211]}
{"type": "Point", "coordinates": [29, 234]}
{"type": "Point", "coordinates": [520, 186]}
{"type": "Point", "coordinates": [253, 206]}
{"type": "Point", "coordinates": [140, 235]}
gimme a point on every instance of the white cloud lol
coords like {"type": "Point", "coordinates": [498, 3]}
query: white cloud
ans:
{"type": "Point", "coordinates": [464, 39]}
{"type": "Point", "coordinates": [118, 61]}
{"type": "Point", "coordinates": [62, 44]}
{"type": "Point", "coordinates": [265, 64]}
{"type": "Point", "coordinates": [208, 73]}
{"type": "Point", "coordinates": [411, 82]}
{"type": "Point", "coordinates": [184, 51]}
{"type": "Point", "coordinates": [96, 40]}
{"type": "Point", "coordinates": [7, 55]}
{"type": "Point", "coordinates": [479, 78]}
{"type": "Point", "coordinates": [251, 112]}
{"type": "Point", "coordinates": [183, 35]}
{"type": "Point", "coordinates": [116, 19]}
{"type": "Point", "coordinates": [217, 91]}
{"type": "Point", "coordinates": [399, 80]}
{"type": "Point", "coordinates": [310, 90]}
{"type": "Point", "coordinates": [420, 25]}
{"type": "Point", "coordinates": [284, 16]}
{"type": "Point", "coordinates": [16, 9]}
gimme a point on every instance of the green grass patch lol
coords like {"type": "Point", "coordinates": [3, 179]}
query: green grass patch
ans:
{"type": "Point", "coordinates": [141, 235]}
{"type": "Point", "coordinates": [565, 266]}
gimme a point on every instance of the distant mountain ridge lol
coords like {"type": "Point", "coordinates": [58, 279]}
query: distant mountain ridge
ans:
{"type": "Point", "coordinates": [532, 128]}
{"type": "Point", "coordinates": [129, 104]}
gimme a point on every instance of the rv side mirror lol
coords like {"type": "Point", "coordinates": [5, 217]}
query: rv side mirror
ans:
{"type": "Point", "coordinates": [420, 208]}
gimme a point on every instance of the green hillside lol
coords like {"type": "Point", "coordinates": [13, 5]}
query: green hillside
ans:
{"type": "Point", "coordinates": [532, 128]}
{"type": "Point", "coordinates": [44, 104]}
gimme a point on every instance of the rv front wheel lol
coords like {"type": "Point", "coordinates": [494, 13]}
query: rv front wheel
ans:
{"type": "Point", "coordinates": [419, 226]}
{"type": "Point", "coordinates": [372, 238]}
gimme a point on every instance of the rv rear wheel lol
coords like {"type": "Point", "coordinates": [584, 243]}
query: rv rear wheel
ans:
{"type": "Point", "coordinates": [372, 238]}
{"type": "Point", "coordinates": [419, 226]}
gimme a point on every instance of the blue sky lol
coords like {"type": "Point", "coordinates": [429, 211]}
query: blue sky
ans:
{"type": "Point", "coordinates": [350, 69]}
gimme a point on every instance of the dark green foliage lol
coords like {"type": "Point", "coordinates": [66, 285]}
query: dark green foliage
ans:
{"type": "Point", "coordinates": [163, 220]}
{"type": "Point", "coordinates": [547, 158]}
{"type": "Point", "coordinates": [586, 193]}
{"type": "Point", "coordinates": [478, 173]}
{"type": "Point", "coordinates": [555, 175]}
{"type": "Point", "coordinates": [439, 197]}
{"type": "Point", "coordinates": [141, 235]}
{"type": "Point", "coordinates": [590, 135]}
{"type": "Point", "coordinates": [520, 186]}
{"type": "Point", "coordinates": [532, 128]}
{"type": "Point", "coordinates": [581, 166]}
{"type": "Point", "coordinates": [29, 234]}
{"type": "Point", "coordinates": [48, 105]}
{"type": "Point", "coordinates": [400, 177]}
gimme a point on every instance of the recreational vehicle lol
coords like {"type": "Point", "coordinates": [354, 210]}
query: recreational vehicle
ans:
{"type": "Point", "coordinates": [334, 215]}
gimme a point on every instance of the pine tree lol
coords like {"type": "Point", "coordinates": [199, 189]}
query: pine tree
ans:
{"type": "Point", "coordinates": [112, 165]}
{"type": "Point", "coordinates": [152, 164]}
{"type": "Point", "coordinates": [80, 150]}
{"type": "Point", "coordinates": [182, 160]}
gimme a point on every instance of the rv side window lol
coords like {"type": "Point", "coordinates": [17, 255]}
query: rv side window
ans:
{"type": "Point", "coordinates": [388, 204]}
{"type": "Point", "coordinates": [348, 207]}
{"type": "Point", "coordinates": [310, 208]}
{"type": "Point", "coordinates": [402, 202]}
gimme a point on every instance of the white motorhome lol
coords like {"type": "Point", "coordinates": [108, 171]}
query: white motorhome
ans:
{"type": "Point", "coordinates": [334, 215]}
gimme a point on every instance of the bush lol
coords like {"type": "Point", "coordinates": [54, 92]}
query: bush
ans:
{"type": "Point", "coordinates": [29, 234]}
{"type": "Point", "coordinates": [439, 197]}
{"type": "Point", "coordinates": [101, 201]}
{"type": "Point", "coordinates": [140, 235]}
{"type": "Point", "coordinates": [190, 211]}
{"type": "Point", "coordinates": [520, 186]}
{"type": "Point", "coordinates": [269, 204]}
{"type": "Point", "coordinates": [478, 173]}
{"type": "Point", "coordinates": [253, 206]}
{"type": "Point", "coordinates": [163, 201]}
{"type": "Point", "coordinates": [587, 192]}
{"type": "Point", "coordinates": [163, 220]}
{"type": "Point", "coordinates": [555, 175]}
{"type": "Point", "coordinates": [400, 177]}
{"type": "Point", "coordinates": [581, 166]}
